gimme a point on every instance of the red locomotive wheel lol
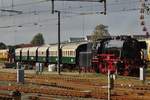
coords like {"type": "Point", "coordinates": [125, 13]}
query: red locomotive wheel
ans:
{"type": "Point", "coordinates": [126, 73]}
{"type": "Point", "coordinates": [103, 67]}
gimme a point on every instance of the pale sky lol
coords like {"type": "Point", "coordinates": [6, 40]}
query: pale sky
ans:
{"type": "Point", "coordinates": [37, 18]}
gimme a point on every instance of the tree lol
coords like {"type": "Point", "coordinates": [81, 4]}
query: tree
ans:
{"type": "Point", "coordinates": [100, 32]}
{"type": "Point", "coordinates": [38, 39]}
{"type": "Point", "coordinates": [2, 45]}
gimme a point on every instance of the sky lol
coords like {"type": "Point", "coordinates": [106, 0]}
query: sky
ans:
{"type": "Point", "coordinates": [78, 19]}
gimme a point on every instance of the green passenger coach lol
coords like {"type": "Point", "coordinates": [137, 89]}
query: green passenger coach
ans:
{"type": "Point", "coordinates": [18, 54]}
{"type": "Point", "coordinates": [53, 54]}
{"type": "Point", "coordinates": [42, 54]}
{"type": "Point", "coordinates": [25, 53]}
{"type": "Point", "coordinates": [70, 52]}
{"type": "Point", "coordinates": [33, 54]}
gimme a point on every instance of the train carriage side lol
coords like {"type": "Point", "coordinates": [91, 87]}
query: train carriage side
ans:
{"type": "Point", "coordinates": [25, 55]}
{"type": "Point", "coordinates": [33, 54]}
{"type": "Point", "coordinates": [53, 54]}
{"type": "Point", "coordinates": [43, 54]}
{"type": "Point", "coordinates": [71, 53]}
{"type": "Point", "coordinates": [18, 54]}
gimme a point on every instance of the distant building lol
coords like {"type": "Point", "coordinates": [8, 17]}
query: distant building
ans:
{"type": "Point", "coordinates": [89, 37]}
{"type": "Point", "coordinates": [76, 39]}
{"type": "Point", "coordinates": [141, 36]}
{"type": "Point", "coordinates": [24, 45]}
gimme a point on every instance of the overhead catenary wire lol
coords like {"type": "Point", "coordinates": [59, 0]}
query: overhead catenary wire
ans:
{"type": "Point", "coordinates": [99, 4]}
{"type": "Point", "coordinates": [72, 8]}
{"type": "Point", "coordinates": [65, 17]}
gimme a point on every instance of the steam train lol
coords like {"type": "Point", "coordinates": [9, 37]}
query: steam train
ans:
{"type": "Point", "coordinates": [123, 55]}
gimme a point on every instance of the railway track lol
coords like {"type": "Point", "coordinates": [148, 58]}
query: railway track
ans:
{"type": "Point", "coordinates": [74, 86]}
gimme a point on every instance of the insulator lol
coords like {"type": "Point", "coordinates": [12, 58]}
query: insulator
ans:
{"type": "Point", "coordinates": [142, 17]}
{"type": "Point", "coordinates": [142, 10]}
{"type": "Point", "coordinates": [144, 28]}
{"type": "Point", "coordinates": [142, 23]}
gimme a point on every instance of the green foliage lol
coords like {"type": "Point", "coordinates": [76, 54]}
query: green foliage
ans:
{"type": "Point", "coordinates": [38, 39]}
{"type": "Point", "coordinates": [100, 32]}
{"type": "Point", "coordinates": [2, 45]}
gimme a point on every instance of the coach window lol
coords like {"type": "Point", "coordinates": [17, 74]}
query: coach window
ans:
{"type": "Point", "coordinates": [42, 53]}
{"type": "Point", "coordinates": [71, 53]}
{"type": "Point", "coordinates": [56, 53]}
{"type": "Point", "coordinates": [65, 53]}
{"type": "Point", "coordinates": [51, 53]}
{"type": "Point", "coordinates": [68, 53]}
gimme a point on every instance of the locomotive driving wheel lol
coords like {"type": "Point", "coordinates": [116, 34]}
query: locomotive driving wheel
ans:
{"type": "Point", "coordinates": [103, 67]}
{"type": "Point", "coordinates": [126, 72]}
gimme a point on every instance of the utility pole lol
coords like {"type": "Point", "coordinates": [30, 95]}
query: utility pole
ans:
{"type": "Point", "coordinates": [105, 8]}
{"type": "Point", "coordinates": [53, 7]}
{"type": "Point", "coordinates": [59, 49]}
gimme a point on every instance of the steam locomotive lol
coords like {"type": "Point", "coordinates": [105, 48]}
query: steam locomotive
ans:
{"type": "Point", "coordinates": [123, 55]}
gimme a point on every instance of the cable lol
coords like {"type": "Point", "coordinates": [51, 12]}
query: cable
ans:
{"type": "Point", "coordinates": [72, 8]}
{"type": "Point", "coordinates": [74, 13]}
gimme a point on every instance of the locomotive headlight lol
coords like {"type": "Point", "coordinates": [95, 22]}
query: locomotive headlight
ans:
{"type": "Point", "coordinates": [115, 63]}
